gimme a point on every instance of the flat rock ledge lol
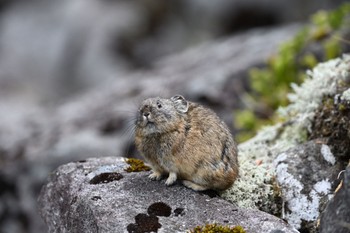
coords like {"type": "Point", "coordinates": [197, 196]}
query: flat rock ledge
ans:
{"type": "Point", "coordinates": [97, 195]}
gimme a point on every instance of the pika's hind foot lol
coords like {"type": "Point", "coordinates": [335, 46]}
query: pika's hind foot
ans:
{"type": "Point", "coordinates": [171, 179]}
{"type": "Point", "coordinates": [194, 186]}
{"type": "Point", "coordinates": [155, 175]}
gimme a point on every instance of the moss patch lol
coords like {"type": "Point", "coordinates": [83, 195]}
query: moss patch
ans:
{"type": "Point", "coordinates": [215, 228]}
{"type": "Point", "coordinates": [332, 126]}
{"type": "Point", "coordinates": [327, 30]}
{"type": "Point", "coordinates": [136, 165]}
{"type": "Point", "coordinates": [256, 187]}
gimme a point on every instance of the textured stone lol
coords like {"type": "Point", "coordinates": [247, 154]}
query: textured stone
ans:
{"type": "Point", "coordinates": [305, 175]}
{"type": "Point", "coordinates": [306, 172]}
{"type": "Point", "coordinates": [69, 202]}
{"type": "Point", "coordinates": [336, 217]}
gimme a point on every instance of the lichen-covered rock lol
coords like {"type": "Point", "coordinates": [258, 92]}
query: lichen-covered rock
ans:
{"type": "Point", "coordinates": [98, 195]}
{"type": "Point", "coordinates": [336, 217]}
{"type": "Point", "coordinates": [257, 186]}
{"type": "Point", "coordinates": [305, 174]}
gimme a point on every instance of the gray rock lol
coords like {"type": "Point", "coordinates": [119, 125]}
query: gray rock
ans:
{"type": "Point", "coordinates": [96, 123]}
{"type": "Point", "coordinates": [97, 195]}
{"type": "Point", "coordinates": [336, 217]}
{"type": "Point", "coordinates": [305, 175]}
{"type": "Point", "coordinates": [66, 47]}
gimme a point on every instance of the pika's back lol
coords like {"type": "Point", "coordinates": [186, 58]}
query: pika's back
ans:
{"type": "Point", "coordinates": [204, 121]}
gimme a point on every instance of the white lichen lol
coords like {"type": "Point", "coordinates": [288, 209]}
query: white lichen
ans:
{"type": "Point", "coordinates": [299, 206]}
{"type": "Point", "coordinates": [327, 154]}
{"type": "Point", "coordinates": [323, 81]}
{"type": "Point", "coordinates": [323, 187]}
{"type": "Point", "coordinates": [255, 185]}
{"type": "Point", "coordinates": [346, 95]}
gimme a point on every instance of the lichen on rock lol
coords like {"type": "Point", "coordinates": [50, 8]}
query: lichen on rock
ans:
{"type": "Point", "coordinates": [346, 95]}
{"type": "Point", "coordinates": [257, 186]}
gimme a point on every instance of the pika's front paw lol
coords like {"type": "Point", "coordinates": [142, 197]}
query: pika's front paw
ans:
{"type": "Point", "coordinates": [155, 175]}
{"type": "Point", "coordinates": [171, 179]}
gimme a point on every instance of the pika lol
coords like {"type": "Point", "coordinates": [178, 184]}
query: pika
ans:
{"type": "Point", "coordinates": [186, 141]}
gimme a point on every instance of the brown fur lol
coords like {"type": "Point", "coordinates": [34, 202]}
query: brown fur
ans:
{"type": "Point", "coordinates": [186, 141]}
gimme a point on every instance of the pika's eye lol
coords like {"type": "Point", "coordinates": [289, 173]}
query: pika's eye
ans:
{"type": "Point", "coordinates": [159, 105]}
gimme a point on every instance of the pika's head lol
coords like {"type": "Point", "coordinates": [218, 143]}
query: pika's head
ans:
{"type": "Point", "coordinates": [157, 115]}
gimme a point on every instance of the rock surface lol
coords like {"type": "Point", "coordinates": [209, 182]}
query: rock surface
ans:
{"type": "Point", "coordinates": [336, 217]}
{"type": "Point", "coordinates": [97, 195]}
{"type": "Point", "coordinates": [305, 175]}
{"type": "Point", "coordinates": [283, 166]}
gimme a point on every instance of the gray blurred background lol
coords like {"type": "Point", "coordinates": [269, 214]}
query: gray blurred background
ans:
{"type": "Point", "coordinates": [73, 71]}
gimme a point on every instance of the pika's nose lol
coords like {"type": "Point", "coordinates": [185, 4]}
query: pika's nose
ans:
{"type": "Point", "coordinates": [146, 114]}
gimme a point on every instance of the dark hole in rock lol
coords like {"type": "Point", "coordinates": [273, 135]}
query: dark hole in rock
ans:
{"type": "Point", "coordinates": [133, 228]}
{"type": "Point", "coordinates": [179, 212]}
{"type": "Point", "coordinates": [225, 221]}
{"type": "Point", "coordinates": [96, 198]}
{"type": "Point", "coordinates": [159, 209]}
{"type": "Point", "coordinates": [106, 177]}
{"type": "Point", "coordinates": [82, 161]}
{"type": "Point", "coordinates": [144, 223]}
{"type": "Point", "coordinates": [210, 193]}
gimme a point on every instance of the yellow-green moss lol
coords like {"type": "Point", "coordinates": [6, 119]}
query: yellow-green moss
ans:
{"type": "Point", "coordinates": [136, 165]}
{"type": "Point", "coordinates": [215, 228]}
{"type": "Point", "coordinates": [342, 107]}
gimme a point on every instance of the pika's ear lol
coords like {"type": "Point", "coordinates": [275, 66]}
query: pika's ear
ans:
{"type": "Point", "coordinates": [180, 103]}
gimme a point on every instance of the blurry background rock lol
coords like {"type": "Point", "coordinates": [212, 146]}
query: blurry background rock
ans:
{"type": "Point", "coordinates": [51, 50]}
{"type": "Point", "coordinates": [72, 72]}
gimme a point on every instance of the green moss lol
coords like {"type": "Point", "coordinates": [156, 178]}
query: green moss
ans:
{"type": "Point", "coordinates": [136, 165]}
{"type": "Point", "coordinates": [332, 48]}
{"type": "Point", "coordinates": [332, 124]}
{"type": "Point", "coordinates": [327, 28]}
{"type": "Point", "coordinates": [215, 228]}
{"type": "Point", "coordinates": [342, 107]}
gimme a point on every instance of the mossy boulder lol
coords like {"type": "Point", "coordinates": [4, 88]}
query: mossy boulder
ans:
{"type": "Point", "coordinates": [296, 144]}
